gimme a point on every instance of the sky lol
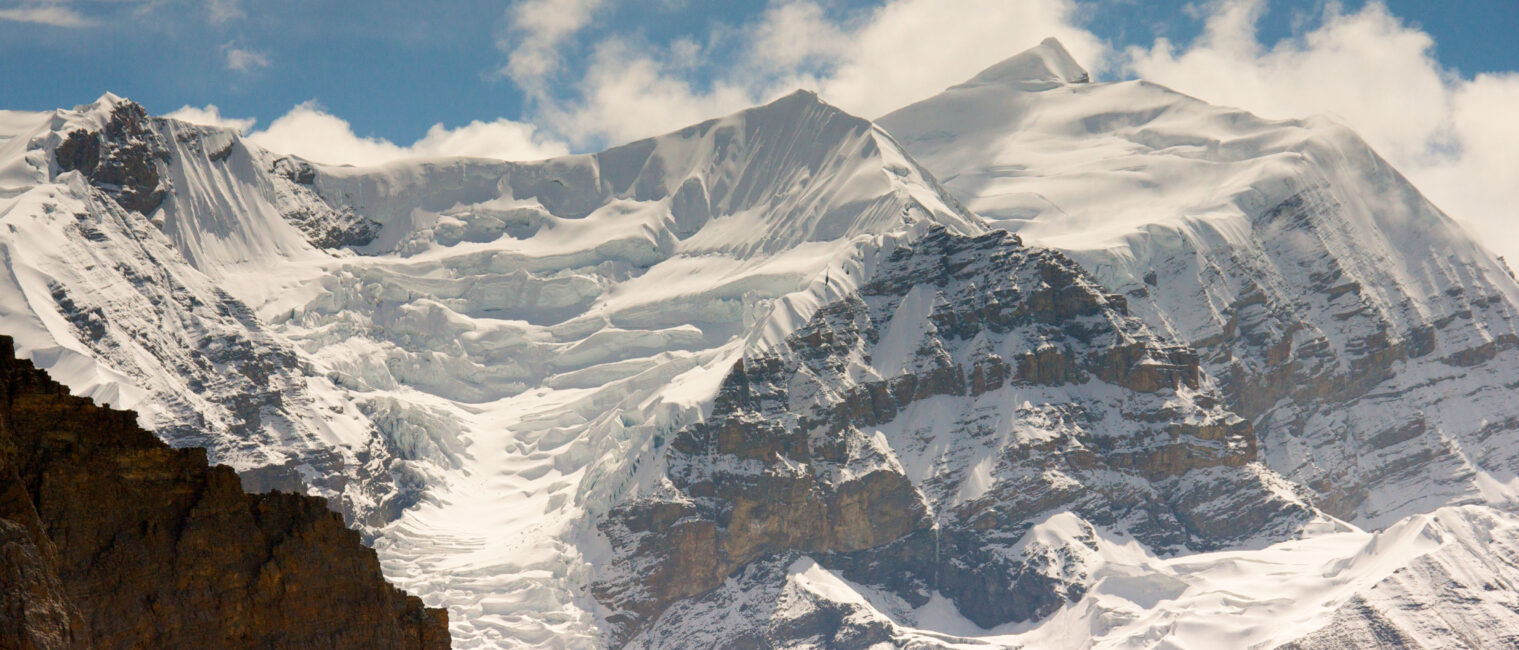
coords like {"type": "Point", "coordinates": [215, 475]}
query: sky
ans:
{"type": "Point", "coordinates": [1434, 86]}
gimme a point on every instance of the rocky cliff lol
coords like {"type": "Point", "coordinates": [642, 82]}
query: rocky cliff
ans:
{"type": "Point", "coordinates": [911, 435]}
{"type": "Point", "coordinates": [111, 539]}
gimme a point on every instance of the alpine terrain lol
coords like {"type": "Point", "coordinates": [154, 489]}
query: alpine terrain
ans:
{"type": "Point", "coordinates": [1035, 362]}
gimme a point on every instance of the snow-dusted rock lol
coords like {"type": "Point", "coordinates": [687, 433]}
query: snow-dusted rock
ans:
{"type": "Point", "coordinates": [910, 434]}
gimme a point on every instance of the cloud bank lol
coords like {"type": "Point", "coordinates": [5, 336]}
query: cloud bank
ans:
{"type": "Point", "coordinates": [311, 132]}
{"type": "Point", "coordinates": [210, 115]}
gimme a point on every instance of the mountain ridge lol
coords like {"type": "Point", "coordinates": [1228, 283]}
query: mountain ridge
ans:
{"type": "Point", "coordinates": [1300, 263]}
{"type": "Point", "coordinates": [507, 374]}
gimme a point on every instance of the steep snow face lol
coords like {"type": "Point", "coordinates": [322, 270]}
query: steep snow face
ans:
{"type": "Point", "coordinates": [497, 356]}
{"type": "Point", "coordinates": [1042, 67]}
{"type": "Point", "coordinates": [1368, 338]}
{"type": "Point", "coordinates": [1462, 593]}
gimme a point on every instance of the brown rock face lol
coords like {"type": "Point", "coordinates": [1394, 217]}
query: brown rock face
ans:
{"type": "Point", "coordinates": [111, 539]}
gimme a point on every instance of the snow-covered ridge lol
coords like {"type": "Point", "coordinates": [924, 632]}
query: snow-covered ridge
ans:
{"type": "Point", "coordinates": [1362, 329]}
{"type": "Point", "coordinates": [1045, 66]}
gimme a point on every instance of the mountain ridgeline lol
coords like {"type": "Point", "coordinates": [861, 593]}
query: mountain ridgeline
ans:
{"type": "Point", "coordinates": [1036, 362]}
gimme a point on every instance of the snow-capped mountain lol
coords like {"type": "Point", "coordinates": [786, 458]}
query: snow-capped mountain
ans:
{"type": "Point", "coordinates": [1370, 340]}
{"type": "Point", "coordinates": [763, 381]}
{"type": "Point", "coordinates": [1364, 333]}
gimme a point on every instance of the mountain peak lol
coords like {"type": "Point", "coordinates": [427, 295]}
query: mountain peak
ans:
{"type": "Point", "coordinates": [106, 103]}
{"type": "Point", "coordinates": [797, 100]}
{"type": "Point", "coordinates": [1044, 64]}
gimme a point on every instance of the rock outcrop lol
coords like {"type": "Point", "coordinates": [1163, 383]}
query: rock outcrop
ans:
{"type": "Point", "coordinates": [122, 158]}
{"type": "Point", "coordinates": [111, 539]}
{"type": "Point", "coordinates": [909, 436]}
{"type": "Point", "coordinates": [324, 225]}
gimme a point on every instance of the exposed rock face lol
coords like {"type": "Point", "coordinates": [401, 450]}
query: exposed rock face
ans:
{"type": "Point", "coordinates": [324, 225]}
{"type": "Point", "coordinates": [908, 436]}
{"type": "Point", "coordinates": [35, 611]}
{"type": "Point", "coordinates": [109, 538]}
{"type": "Point", "coordinates": [122, 159]}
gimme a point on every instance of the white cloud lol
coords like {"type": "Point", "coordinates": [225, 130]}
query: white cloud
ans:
{"type": "Point", "coordinates": [223, 11]}
{"type": "Point", "coordinates": [45, 14]}
{"type": "Point", "coordinates": [626, 94]}
{"type": "Point", "coordinates": [312, 133]}
{"type": "Point", "coordinates": [538, 29]}
{"type": "Point", "coordinates": [911, 49]}
{"type": "Point", "coordinates": [210, 115]}
{"type": "Point", "coordinates": [868, 63]}
{"type": "Point", "coordinates": [242, 59]}
{"type": "Point", "coordinates": [1456, 139]}
{"type": "Point", "coordinates": [791, 34]}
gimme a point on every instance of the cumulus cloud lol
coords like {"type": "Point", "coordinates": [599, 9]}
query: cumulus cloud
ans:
{"type": "Point", "coordinates": [1455, 138]}
{"type": "Point", "coordinates": [310, 132]}
{"type": "Point", "coordinates": [56, 15]}
{"type": "Point", "coordinates": [626, 93]}
{"type": "Point", "coordinates": [868, 62]}
{"type": "Point", "coordinates": [210, 115]}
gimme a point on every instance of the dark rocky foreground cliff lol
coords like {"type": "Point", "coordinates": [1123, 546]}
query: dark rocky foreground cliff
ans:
{"type": "Point", "coordinates": [111, 539]}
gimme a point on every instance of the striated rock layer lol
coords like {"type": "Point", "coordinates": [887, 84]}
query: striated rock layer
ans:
{"type": "Point", "coordinates": [910, 436]}
{"type": "Point", "coordinates": [109, 538]}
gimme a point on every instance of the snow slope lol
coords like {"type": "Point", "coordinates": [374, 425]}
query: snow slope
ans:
{"type": "Point", "coordinates": [1366, 335]}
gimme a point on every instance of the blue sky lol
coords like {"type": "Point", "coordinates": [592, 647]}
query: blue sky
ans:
{"type": "Point", "coordinates": [392, 71]}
